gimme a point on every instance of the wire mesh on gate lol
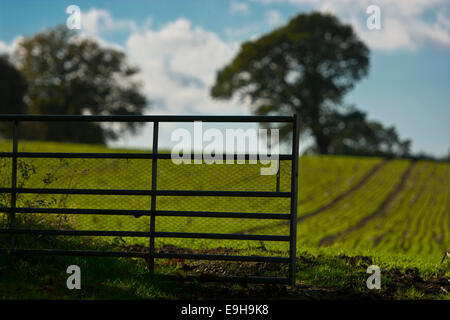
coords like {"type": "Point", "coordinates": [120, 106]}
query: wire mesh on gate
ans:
{"type": "Point", "coordinates": [142, 199]}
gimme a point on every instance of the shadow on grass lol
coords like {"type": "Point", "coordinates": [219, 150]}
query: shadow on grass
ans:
{"type": "Point", "coordinates": [44, 277]}
{"type": "Point", "coordinates": [318, 276]}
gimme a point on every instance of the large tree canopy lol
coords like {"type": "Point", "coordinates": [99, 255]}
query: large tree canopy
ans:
{"type": "Point", "coordinates": [305, 67]}
{"type": "Point", "coordinates": [71, 75]}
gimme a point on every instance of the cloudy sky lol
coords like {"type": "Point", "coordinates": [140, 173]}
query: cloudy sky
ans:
{"type": "Point", "coordinates": [179, 45]}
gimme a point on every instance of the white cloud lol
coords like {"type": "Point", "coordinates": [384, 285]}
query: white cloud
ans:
{"type": "Point", "coordinates": [4, 48]}
{"type": "Point", "coordinates": [240, 33]}
{"type": "Point", "coordinates": [178, 64]}
{"type": "Point", "coordinates": [97, 21]}
{"type": "Point", "coordinates": [406, 24]}
{"type": "Point", "coordinates": [8, 48]}
{"type": "Point", "coordinates": [443, 19]}
{"type": "Point", "coordinates": [239, 7]}
{"type": "Point", "coordinates": [274, 18]}
{"type": "Point", "coordinates": [102, 42]}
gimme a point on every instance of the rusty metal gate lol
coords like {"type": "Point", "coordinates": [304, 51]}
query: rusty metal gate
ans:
{"type": "Point", "coordinates": [12, 189]}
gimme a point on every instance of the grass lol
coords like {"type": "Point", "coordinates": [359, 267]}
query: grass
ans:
{"type": "Point", "coordinates": [406, 237]}
{"type": "Point", "coordinates": [321, 273]}
{"type": "Point", "coordinates": [417, 221]}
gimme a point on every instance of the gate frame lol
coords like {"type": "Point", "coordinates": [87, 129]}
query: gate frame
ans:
{"type": "Point", "coordinates": [154, 192]}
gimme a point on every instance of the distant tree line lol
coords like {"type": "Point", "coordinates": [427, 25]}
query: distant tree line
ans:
{"type": "Point", "coordinates": [352, 134]}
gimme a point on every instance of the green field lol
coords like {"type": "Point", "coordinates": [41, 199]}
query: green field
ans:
{"type": "Point", "coordinates": [392, 210]}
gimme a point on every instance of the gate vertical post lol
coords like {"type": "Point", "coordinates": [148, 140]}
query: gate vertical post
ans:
{"type": "Point", "coordinates": [278, 176]}
{"type": "Point", "coordinates": [12, 214]}
{"type": "Point", "coordinates": [153, 201]}
{"type": "Point", "coordinates": [294, 192]}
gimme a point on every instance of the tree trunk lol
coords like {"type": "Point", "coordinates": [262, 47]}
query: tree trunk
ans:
{"type": "Point", "coordinates": [322, 141]}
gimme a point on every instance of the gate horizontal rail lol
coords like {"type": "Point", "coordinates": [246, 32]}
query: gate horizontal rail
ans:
{"type": "Point", "coordinates": [132, 192]}
{"type": "Point", "coordinates": [122, 155]}
{"type": "Point", "coordinates": [144, 118]}
{"type": "Point", "coordinates": [154, 192]}
{"type": "Point", "coordinates": [225, 236]}
{"type": "Point", "coordinates": [161, 213]}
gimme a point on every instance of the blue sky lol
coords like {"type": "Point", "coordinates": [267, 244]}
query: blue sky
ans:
{"type": "Point", "coordinates": [179, 46]}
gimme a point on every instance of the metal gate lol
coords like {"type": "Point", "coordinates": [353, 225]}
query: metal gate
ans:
{"type": "Point", "coordinates": [12, 189]}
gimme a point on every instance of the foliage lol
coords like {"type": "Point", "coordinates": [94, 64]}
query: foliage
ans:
{"type": "Point", "coordinates": [72, 75]}
{"type": "Point", "coordinates": [352, 134]}
{"type": "Point", "coordinates": [306, 67]}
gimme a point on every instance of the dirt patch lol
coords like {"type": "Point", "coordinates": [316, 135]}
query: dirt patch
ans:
{"type": "Point", "coordinates": [278, 292]}
{"type": "Point", "coordinates": [397, 284]}
{"type": "Point", "coordinates": [398, 281]}
{"type": "Point", "coordinates": [168, 248]}
{"type": "Point", "coordinates": [411, 278]}
{"type": "Point", "coordinates": [208, 270]}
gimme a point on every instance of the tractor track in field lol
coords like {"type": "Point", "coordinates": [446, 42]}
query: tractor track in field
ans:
{"type": "Point", "coordinates": [358, 185]}
{"type": "Point", "coordinates": [330, 204]}
{"type": "Point", "coordinates": [411, 203]}
{"type": "Point", "coordinates": [380, 211]}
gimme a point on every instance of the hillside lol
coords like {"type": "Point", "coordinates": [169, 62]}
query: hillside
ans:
{"type": "Point", "coordinates": [394, 206]}
{"type": "Point", "coordinates": [394, 211]}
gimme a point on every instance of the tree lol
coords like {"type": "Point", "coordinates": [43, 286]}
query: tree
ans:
{"type": "Point", "coordinates": [12, 90]}
{"type": "Point", "coordinates": [71, 75]}
{"type": "Point", "coordinates": [305, 67]}
{"type": "Point", "coordinates": [351, 133]}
